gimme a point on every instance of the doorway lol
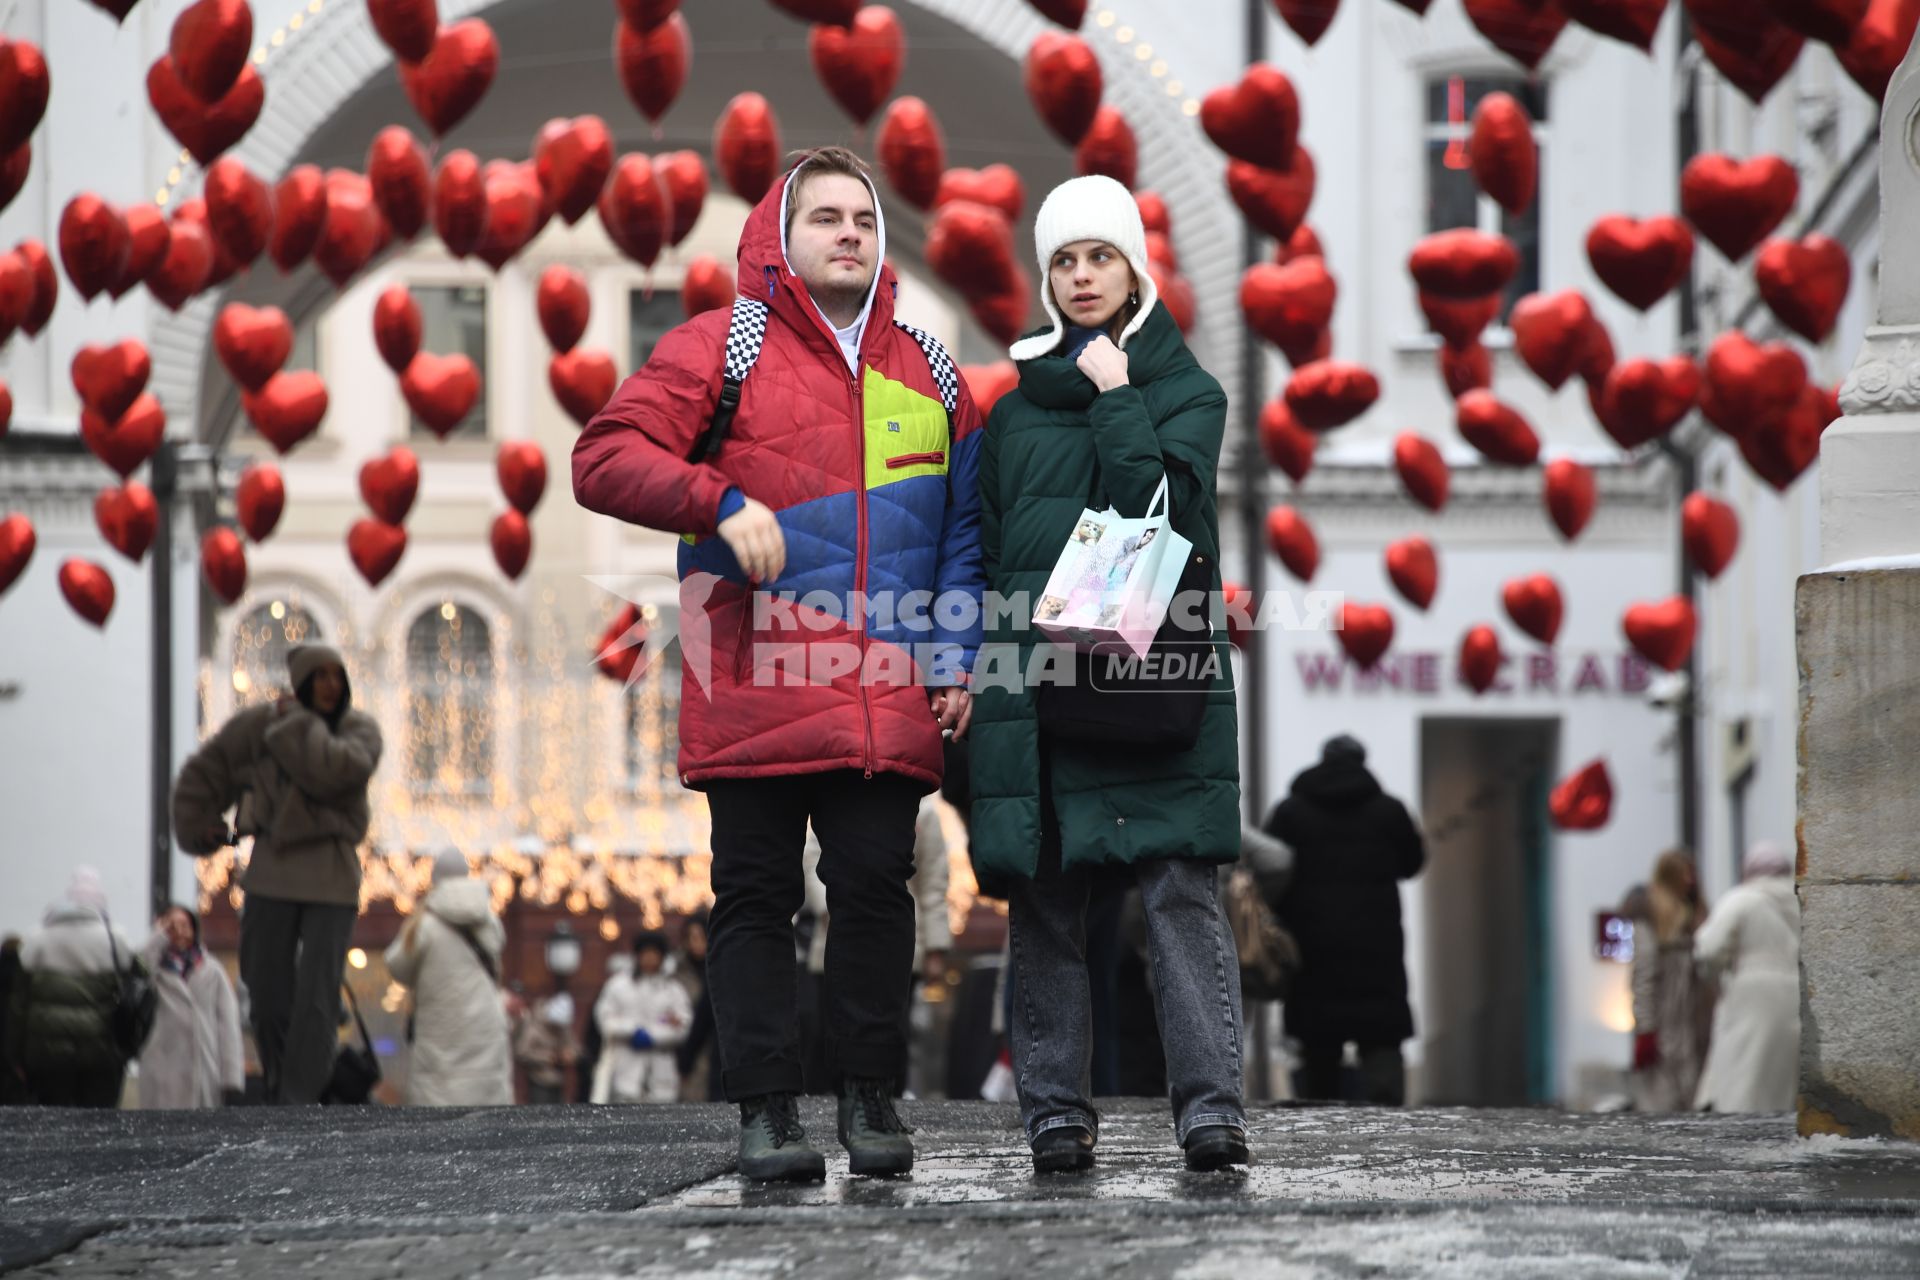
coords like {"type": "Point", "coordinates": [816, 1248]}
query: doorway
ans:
{"type": "Point", "coordinates": [1487, 1015]}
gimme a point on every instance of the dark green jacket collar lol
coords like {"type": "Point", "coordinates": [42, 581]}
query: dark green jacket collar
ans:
{"type": "Point", "coordinates": [1055, 382]}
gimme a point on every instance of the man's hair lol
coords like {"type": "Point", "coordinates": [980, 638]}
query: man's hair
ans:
{"type": "Point", "coordinates": [807, 165]}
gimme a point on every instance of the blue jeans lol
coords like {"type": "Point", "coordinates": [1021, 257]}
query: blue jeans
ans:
{"type": "Point", "coordinates": [1196, 976]}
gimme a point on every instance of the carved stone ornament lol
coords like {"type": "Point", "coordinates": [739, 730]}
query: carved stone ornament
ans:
{"type": "Point", "coordinates": [1886, 377]}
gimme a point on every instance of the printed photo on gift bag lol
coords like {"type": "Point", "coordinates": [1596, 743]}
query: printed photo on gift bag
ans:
{"type": "Point", "coordinates": [1111, 581]}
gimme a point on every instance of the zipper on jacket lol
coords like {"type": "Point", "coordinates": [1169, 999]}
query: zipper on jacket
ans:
{"type": "Point", "coordinates": [915, 459]}
{"type": "Point", "coordinates": [860, 558]}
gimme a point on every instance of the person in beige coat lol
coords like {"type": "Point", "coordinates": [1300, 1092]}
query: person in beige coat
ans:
{"type": "Point", "coordinates": [194, 1058]}
{"type": "Point", "coordinates": [449, 954]}
{"type": "Point", "coordinates": [1751, 942]}
{"type": "Point", "coordinates": [296, 772]}
{"type": "Point", "coordinates": [1672, 1004]}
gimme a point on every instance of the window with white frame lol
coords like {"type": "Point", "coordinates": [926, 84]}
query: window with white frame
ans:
{"type": "Point", "coordinates": [451, 695]}
{"type": "Point", "coordinates": [261, 640]}
{"type": "Point", "coordinates": [1453, 198]}
{"type": "Point", "coordinates": [453, 321]}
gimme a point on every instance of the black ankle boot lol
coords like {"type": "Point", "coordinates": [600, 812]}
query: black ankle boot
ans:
{"type": "Point", "coordinates": [1066, 1149]}
{"type": "Point", "coordinates": [1216, 1146]}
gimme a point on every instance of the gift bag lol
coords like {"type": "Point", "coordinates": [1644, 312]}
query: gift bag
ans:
{"type": "Point", "coordinates": [1114, 579]}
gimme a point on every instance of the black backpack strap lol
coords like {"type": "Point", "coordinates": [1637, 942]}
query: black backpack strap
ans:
{"type": "Point", "coordinates": [746, 334]}
{"type": "Point", "coordinates": [945, 375]}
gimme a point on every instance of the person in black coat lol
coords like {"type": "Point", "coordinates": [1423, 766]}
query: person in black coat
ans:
{"type": "Point", "coordinates": [1353, 843]}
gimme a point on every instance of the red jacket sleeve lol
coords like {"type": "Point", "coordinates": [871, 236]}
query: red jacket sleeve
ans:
{"type": "Point", "coordinates": [631, 461]}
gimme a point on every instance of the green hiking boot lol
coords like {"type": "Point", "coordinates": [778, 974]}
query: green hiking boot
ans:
{"type": "Point", "coordinates": [871, 1130]}
{"type": "Point", "coordinates": [773, 1145]}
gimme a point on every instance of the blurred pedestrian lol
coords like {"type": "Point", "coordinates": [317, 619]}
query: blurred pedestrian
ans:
{"type": "Point", "coordinates": [643, 1015]}
{"type": "Point", "coordinates": [1672, 1002]}
{"type": "Point", "coordinates": [546, 1047]}
{"type": "Point", "coordinates": [295, 771]}
{"type": "Point", "coordinates": [194, 1058]}
{"type": "Point", "coordinates": [61, 1019]}
{"type": "Point", "coordinates": [1751, 942]}
{"type": "Point", "coordinates": [13, 1086]}
{"type": "Point", "coordinates": [1352, 846]}
{"type": "Point", "coordinates": [449, 955]}
{"type": "Point", "coordinates": [699, 1073]}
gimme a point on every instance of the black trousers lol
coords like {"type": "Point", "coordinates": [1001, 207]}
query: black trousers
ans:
{"type": "Point", "coordinates": [293, 956]}
{"type": "Point", "coordinates": [97, 1087]}
{"type": "Point", "coordinates": [866, 827]}
{"type": "Point", "coordinates": [1382, 1078]}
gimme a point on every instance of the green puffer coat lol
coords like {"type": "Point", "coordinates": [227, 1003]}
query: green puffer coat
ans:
{"type": "Point", "coordinates": [64, 1022]}
{"type": "Point", "coordinates": [1036, 475]}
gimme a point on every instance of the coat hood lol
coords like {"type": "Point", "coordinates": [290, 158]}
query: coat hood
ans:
{"type": "Point", "coordinates": [461, 903]}
{"type": "Point", "coordinates": [1778, 894]}
{"type": "Point", "coordinates": [63, 913]}
{"type": "Point", "coordinates": [1336, 784]}
{"type": "Point", "coordinates": [765, 274]}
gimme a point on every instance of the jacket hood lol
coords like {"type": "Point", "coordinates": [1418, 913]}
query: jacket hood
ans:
{"type": "Point", "coordinates": [461, 903]}
{"type": "Point", "coordinates": [764, 273]}
{"type": "Point", "coordinates": [1157, 350]}
{"type": "Point", "coordinates": [72, 913]}
{"type": "Point", "coordinates": [1336, 784]}
{"type": "Point", "coordinates": [1778, 893]}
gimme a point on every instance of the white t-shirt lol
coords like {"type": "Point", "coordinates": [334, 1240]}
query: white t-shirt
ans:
{"type": "Point", "coordinates": [849, 339]}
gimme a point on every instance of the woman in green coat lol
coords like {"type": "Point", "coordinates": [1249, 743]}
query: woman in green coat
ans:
{"type": "Point", "coordinates": [1110, 405]}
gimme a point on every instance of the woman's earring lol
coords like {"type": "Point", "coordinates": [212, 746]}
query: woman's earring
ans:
{"type": "Point", "coordinates": [1133, 299]}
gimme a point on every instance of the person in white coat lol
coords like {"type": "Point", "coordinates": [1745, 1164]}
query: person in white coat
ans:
{"type": "Point", "coordinates": [644, 1016]}
{"type": "Point", "coordinates": [449, 954]}
{"type": "Point", "coordinates": [1751, 942]}
{"type": "Point", "coordinates": [194, 1058]}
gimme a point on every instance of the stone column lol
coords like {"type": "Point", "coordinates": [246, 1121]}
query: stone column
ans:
{"type": "Point", "coordinates": [1858, 639]}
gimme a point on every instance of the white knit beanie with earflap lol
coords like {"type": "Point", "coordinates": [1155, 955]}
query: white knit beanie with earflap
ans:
{"type": "Point", "coordinates": [1090, 208]}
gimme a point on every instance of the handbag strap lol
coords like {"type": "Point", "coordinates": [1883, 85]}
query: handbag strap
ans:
{"type": "Point", "coordinates": [358, 1021]}
{"type": "Point", "coordinates": [479, 953]}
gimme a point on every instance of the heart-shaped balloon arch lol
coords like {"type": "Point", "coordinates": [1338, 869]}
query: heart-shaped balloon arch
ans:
{"type": "Point", "coordinates": [207, 92]}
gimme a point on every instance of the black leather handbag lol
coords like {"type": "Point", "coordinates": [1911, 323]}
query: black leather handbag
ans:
{"type": "Point", "coordinates": [356, 1067]}
{"type": "Point", "coordinates": [136, 1000]}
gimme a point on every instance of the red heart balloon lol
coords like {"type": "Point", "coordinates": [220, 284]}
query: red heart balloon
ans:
{"type": "Point", "coordinates": [1584, 801]}
{"type": "Point", "coordinates": [645, 15]}
{"type": "Point", "coordinates": [1504, 156]}
{"type": "Point", "coordinates": [1551, 333]}
{"type": "Point", "coordinates": [1003, 314]}
{"type": "Point", "coordinates": [288, 408]}
{"type": "Point", "coordinates": [224, 562]}
{"type": "Point", "coordinates": [252, 342]}
{"type": "Point", "coordinates": [1480, 658]}
{"type": "Point", "coordinates": [988, 382]}
{"type": "Point", "coordinates": [1308, 18]}
{"type": "Point", "coordinates": [397, 327]}
{"type": "Point", "coordinates": [1524, 30]}
{"type": "Point", "coordinates": [1415, 570]}
{"type": "Point", "coordinates": [1832, 21]}
{"type": "Point", "coordinates": [564, 306]}
{"type": "Point", "coordinates": [1710, 531]}
{"type": "Point", "coordinates": [1459, 321]}
{"type": "Point", "coordinates": [1745, 43]}
{"type": "Point", "coordinates": [1330, 393]}
{"type": "Point", "coordinates": [1498, 431]}
{"type": "Point", "coordinates": [1736, 204]}
{"type": "Point", "coordinates": [1153, 211]}
{"type": "Point", "coordinates": [859, 65]}
{"type": "Point", "coordinates": [441, 390]}
{"type": "Point", "coordinates": [375, 548]}
{"type": "Point", "coordinates": [1805, 283]}
{"type": "Point", "coordinates": [350, 234]}
{"type": "Point", "coordinates": [1464, 369]}
{"type": "Point", "coordinates": [6, 410]}
{"type": "Point", "coordinates": [582, 381]}
{"type": "Point", "coordinates": [460, 203]}
{"type": "Point", "coordinates": [46, 286]}
{"type": "Point", "coordinates": [24, 90]}
{"type": "Point", "coordinates": [1109, 149]}
{"type": "Point", "coordinates": [16, 293]}
{"type": "Point", "coordinates": [837, 12]}
{"type": "Point", "coordinates": [1599, 360]}
{"type": "Point", "coordinates": [128, 518]}
{"type": "Point", "coordinates": [1642, 399]}
{"type": "Point", "coordinates": [128, 441]}
{"type": "Point", "coordinates": [633, 209]}
{"type": "Point", "coordinates": [13, 172]}
{"type": "Point", "coordinates": [522, 470]}
{"type": "Point", "coordinates": [191, 262]}
{"type": "Point", "coordinates": [1662, 633]}
{"type": "Point", "coordinates": [210, 44]}
{"type": "Point", "coordinates": [1068, 13]}
{"type": "Point", "coordinates": [1534, 605]}
{"type": "Point", "coordinates": [1423, 472]}
{"type": "Point", "coordinates": [1366, 630]}
{"type": "Point", "coordinates": [17, 540]}
{"type": "Point", "coordinates": [1275, 201]}
{"type": "Point", "coordinates": [259, 500]}
{"type": "Point", "coordinates": [1748, 385]}
{"type": "Point", "coordinates": [109, 379]}
{"type": "Point", "coordinates": [1289, 306]}
{"type": "Point", "coordinates": [1161, 253]}
{"type": "Point", "coordinates": [299, 213]}
{"type": "Point", "coordinates": [402, 186]}
{"type": "Point", "coordinates": [118, 9]}
{"type": "Point", "coordinates": [389, 484]}
{"type": "Point", "coordinates": [572, 159]}
{"type": "Point", "coordinates": [684, 175]}
{"type": "Point", "coordinates": [1256, 120]}
{"type": "Point", "coordinates": [1631, 21]}
{"type": "Point", "coordinates": [1780, 450]}
{"type": "Point", "coordinates": [94, 243]}
{"type": "Point", "coordinates": [205, 129]}
{"type": "Point", "coordinates": [407, 27]}
{"type": "Point", "coordinates": [1878, 44]}
{"type": "Point", "coordinates": [1176, 295]}
{"type": "Point", "coordinates": [621, 650]}
{"type": "Point", "coordinates": [1292, 540]}
{"type": "Point", "coordinates": [746, 146]}
{"type": "Point", "coordinates": [1569, 495]}
{"type": "Point", "coordinates": [449, 82]}
{"type": "Point", "coordinates": [913, 151]}
{"type": "Point", "coordinates": [88, 589]}
{"type": "Point", "coordinates": [1288, 445]}
{"type": "Point", "coordinates": [997, 186]}
{"type": "Point", "coordinates": [1641, 261]}
{"type": "Point", "coordinates": [970, 247]}
{"type": "Point", "coordinates": [707, 286]}
{"type": "Point", "coordinates": [512, 543]}
{"type": "Point", "coordinates": [1064, 83]}
{"type": "Point", "coordinates": [239, 210]}
{"type": "Point", "coordinates": [653, 66]}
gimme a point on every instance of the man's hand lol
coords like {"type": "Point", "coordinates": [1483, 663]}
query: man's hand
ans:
{"type": "Point", "coordinates": [953, 708]}
{"type": "Point", "coordinates": [757, 543]}
{"type": "Point", "coordinates": [1104, 364]}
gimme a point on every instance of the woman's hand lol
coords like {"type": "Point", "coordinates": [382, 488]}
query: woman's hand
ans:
{"type": "Point", "coordinates": [1104, 364]}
